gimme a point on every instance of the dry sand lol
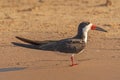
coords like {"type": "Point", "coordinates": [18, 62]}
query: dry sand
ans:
{"type": "Point", "coordinates": [58, 19]}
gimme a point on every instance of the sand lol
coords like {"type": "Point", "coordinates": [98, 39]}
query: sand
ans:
{"type": "Point", "coordinates": [58, 19]}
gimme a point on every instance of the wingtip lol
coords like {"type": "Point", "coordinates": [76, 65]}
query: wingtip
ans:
{"type": "Point", "coordinates": [20, 38]}
{"type": "Point", "coordinates": [17, 37]}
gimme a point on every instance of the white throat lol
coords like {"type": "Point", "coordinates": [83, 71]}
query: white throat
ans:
{"type": "Point", "coordinates": [85, 32]}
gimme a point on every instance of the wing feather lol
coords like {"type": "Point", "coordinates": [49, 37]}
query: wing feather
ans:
{"type": "Point", "coordinates": [35, 42]}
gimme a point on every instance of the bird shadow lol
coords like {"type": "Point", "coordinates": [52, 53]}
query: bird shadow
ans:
{"type": "Point", "coordinates": [11, 69]}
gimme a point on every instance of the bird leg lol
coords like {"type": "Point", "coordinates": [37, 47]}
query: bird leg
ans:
{"type": "Point", "coordinates": [72, 60]}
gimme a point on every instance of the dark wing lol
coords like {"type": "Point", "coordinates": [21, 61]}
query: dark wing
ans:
{"type": "Point", "coordinates": [69, 45]}
{"type": "Point", "coordinates": [35, 42]}
{"type": "Point", "coordinates": [66, 45]}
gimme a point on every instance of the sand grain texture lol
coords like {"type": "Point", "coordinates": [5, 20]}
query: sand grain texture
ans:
{"type": "Point", "coordinates": [58, 19]}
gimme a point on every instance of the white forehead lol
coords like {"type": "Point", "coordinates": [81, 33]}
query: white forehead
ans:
{"type": "Point", "coordinates": [88, 27]}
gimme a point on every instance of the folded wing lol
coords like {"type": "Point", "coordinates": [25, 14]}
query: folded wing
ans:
{"type": "Point", "coordinates": [35, 42]}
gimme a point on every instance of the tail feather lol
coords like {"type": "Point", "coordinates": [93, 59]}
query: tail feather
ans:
{"type": "Point", "coordinates": [34, 42]}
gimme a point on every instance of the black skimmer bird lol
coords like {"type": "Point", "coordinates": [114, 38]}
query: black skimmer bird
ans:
{"type": "Point", "coordinates": [72, 45]}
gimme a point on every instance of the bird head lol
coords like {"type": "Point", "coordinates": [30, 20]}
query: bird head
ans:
{"type": "Point", "coordinates": [83, 29]}
{"type": "Point", "coordinates": [86, 26]}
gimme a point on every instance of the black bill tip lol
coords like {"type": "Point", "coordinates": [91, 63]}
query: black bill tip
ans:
{"type": "Point", "coordinates": [100, 29]}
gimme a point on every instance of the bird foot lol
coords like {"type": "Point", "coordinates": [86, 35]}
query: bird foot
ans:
{"type": "Point", "coordinates": [73, 65]}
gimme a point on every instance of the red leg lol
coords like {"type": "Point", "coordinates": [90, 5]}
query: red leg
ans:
{"type": "Point", "coordinates": [72, 60]}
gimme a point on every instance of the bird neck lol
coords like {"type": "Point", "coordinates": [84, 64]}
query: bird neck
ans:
{"type": "Point", "coordinates": [82, 35]}
{"type": "Point", "coordinates": [85, 34]}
